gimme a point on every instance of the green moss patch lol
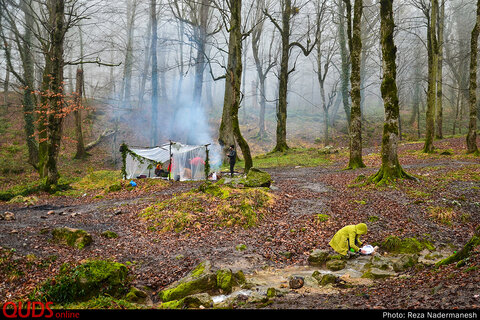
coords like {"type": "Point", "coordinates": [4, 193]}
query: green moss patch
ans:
{"type": "Point", "coordinates": [394, 244]}
{"type": "Point", "coordinates": [88, 280]}
{"type": "Point", "coordinates": [76, 238]}
{"type": "Point", "coordinates": [217, 205]}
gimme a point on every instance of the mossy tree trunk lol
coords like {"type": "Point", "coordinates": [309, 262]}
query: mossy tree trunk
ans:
{"type": "Point", "coordinates": [472, 126]}
{"type": "Point", "coordinates": [281, 140]}
{"type": "Point", "coordinates": [439, 115]}
{"type": "Point", "coordinates": [390, 169]}
{"type": "Point", "coordinates": [432, 78]}
{"type": "Point", "coordinates": [465, 251]}
{"type": "Point", "coordinates": [354, 31]}
{"type": "Point", "coordinates": [81, 152]}
{"type": "Point", "coordinates": [345, 60]}
{"type": "Point", "coordinates": [56, 100]}
{"type": "Point", "coordinates": [234, 78]}
{"type": "Point", "coordinates": [28, 95]}
{"type": "Point", "coordinates": [24, 43]}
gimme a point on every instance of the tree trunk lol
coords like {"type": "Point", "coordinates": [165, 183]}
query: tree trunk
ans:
{"type": "Point", "coordinates": [127, 71]}
{"type": "Point", "coordinates": [432, 78]}
{"type": "Point", "coordinates": [472, 126]}
{"type": "Point", "coordinates": [355, 44]}
{"type": "Point", "coordinates": [201, 39]}
{"type": "Point", "coordinates": [281, 144]}
{"type": "Point", "coordinates": [234, 77]}
{"type": "Point", "coordinates": [262, 69]}
{"type": "Point", "coordinates": [56, 103]}
{"type": "Point", "coordinates": [439, 119]}
{"type": "Point", "coordinates": [390, 169]}
{"type": "Point", "coordinates": [146, 63]}
{"type": "Point", "coordinates": [153, 52]}
{"type": "Point", "coordinates": [81, 153]}
{"type": "Point", "coordinates": [28, 95]}
{"type": "Point", "coordinates": [345, 61]}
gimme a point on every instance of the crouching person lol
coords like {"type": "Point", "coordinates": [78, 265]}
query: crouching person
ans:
{"type": "Point", "coordinates": [348, 238]}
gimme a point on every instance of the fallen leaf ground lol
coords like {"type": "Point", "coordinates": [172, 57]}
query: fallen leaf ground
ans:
{"type": "Point", "coordinates": [311, 204]}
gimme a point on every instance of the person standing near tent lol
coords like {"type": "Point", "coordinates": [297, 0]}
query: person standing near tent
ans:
{"type": "Point", "coordinates": [232, 154]}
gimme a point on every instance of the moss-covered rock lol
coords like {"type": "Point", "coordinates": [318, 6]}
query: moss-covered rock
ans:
{"type": "Point", "coordinates": [257, 178]}
{"type": "Point", "coordinates": [404, 262]}
{"type": "Point", "coordinates": [317, 257]}
{"type": "Point", "coordinates": [335, 264]}
{"type": "Point", "coordinates": [136, 295]}
{"type": "Point", "coordinates": [324, 279]}
{"type": "Point", "coordinates": [225, 280]}
{"type": "Point", "coordinates": [109, 234]}
{"type": "Point", "coordinates": [394, 244]}
{"type": "Point", "coordinates": [203, 280]}
{"type": "Point", "coordinates": [194, 301]}
{"type": "Point", "coordinates": [87, 280]}
{"type": "Point", "coordinates": [76, 238]}
{"type": "Point", "coordinates": [199, 280]}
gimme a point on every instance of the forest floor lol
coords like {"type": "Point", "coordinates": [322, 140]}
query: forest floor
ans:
{"type": "Point", "coordinates": [443, 206]}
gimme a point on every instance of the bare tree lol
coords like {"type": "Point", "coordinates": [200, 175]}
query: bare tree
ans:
{"type": "Point", "coordinates": [264, 62]}
{"type": "Point", "coordinates": [326, 48]}
{"type": "Point", "coordinates": [288, 11]}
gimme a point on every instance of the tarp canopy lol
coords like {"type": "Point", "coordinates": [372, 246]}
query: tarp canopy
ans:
{"type": "Point", "coordinates": [188, 161]}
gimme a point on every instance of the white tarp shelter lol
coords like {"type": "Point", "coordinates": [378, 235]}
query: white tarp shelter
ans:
{"type": "Point", "coordinates": [187, 161]}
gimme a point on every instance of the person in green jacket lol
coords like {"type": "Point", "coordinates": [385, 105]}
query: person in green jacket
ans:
{"type": "Point", "coordinates": [348, 238]}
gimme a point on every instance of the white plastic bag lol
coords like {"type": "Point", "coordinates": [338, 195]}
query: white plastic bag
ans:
{"type": "Point", "coordinates": [367, 249]}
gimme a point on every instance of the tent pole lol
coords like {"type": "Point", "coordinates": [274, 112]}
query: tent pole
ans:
{"type": "Point", "coordinates": [170, 164]}
{"type": "Point", "coordinates": [207, 162]}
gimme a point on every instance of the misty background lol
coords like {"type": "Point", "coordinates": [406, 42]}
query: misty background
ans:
{"type": "Point", "coordinates": [112, 42]}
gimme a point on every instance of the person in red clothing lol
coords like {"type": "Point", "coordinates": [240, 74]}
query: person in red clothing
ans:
{"type": "Point", "coordinates": [196, 161]}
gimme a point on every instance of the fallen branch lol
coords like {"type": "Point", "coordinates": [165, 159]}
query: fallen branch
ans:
{"type": "Point", "coordinates": [105, 134]}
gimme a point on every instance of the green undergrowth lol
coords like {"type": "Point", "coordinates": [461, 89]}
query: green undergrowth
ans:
{"type": "Point", "coordinates": [305, 157]}
{"type": "Point", "coordinates": [218, 205]}
{"type": "Point", "coordinates": [100, 182]}
{"type": "Point", "coordinates": [35, 187]}
{"type": "Point", "coordinates": [395, 244]}
{"type": "Point", "coordinates": [89, 280]}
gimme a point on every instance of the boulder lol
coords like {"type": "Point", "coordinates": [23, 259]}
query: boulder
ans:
{"type": "Point", "coordinates": [257, 178]}
{"type": "Point", "coordinates": [225, 280]}
{"type": "Point", "coordinates": [7, 216]}
{"type": "Point", "coordinates": [404, 262]}
{"type": "Point", "coordinates": [317, 257]}
{"type": "Point", "coordinates": [327, 279]}
{"type": "Point", "coordinates": [136, 295]}
{"type": "Point", "coordinates": [379, 262]}
{"type": "Point", "coordinates": [76, 238]}
{"type": "Point", "coordinates": [335, 264]}
{"type": "Point", "coordinates": [202, 280]}
{"type": "Point", "coordinates": [198, 280]}
{"type": "Point", "coordinates": [296, 282]}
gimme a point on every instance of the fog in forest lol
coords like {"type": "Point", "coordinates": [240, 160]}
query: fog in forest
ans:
{"type": "Point", "coordinates": [179, 94]}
